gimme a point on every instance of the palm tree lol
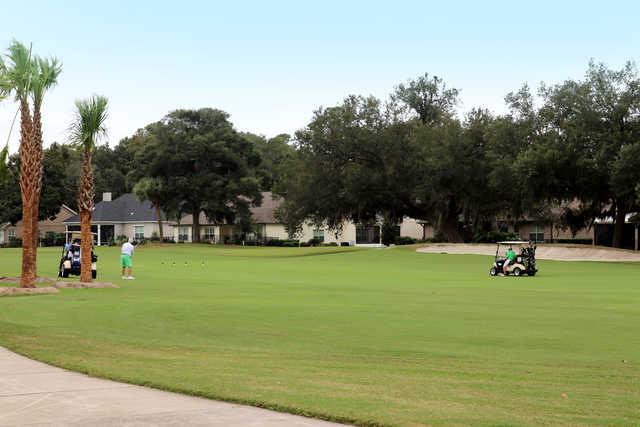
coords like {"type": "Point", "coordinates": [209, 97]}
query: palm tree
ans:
{"type": "Point", "coordinates": [87, 128]}
{"type": "Point", "coordinates": [45, 76]}
{"type": "Point", "coordinates": [17, 75]}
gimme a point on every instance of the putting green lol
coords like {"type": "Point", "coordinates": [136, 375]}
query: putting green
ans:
{"type": "Point", "coordinates": [368, 336]}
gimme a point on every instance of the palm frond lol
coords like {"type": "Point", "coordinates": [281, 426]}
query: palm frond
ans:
{"type": "Point", "coordinates": [45, 76]}
{"type": "Point", "coordinates": [17, 71]}
{"type": "Point", "coordinates": [4, 156]}
{"type": "Point", "coordinates": [88, 125]}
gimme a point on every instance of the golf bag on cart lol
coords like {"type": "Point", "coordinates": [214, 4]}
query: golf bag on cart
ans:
{"type": "Point", "coordinates": [71, 263]}
{"type": "Point", "coordinates": [528, 255]}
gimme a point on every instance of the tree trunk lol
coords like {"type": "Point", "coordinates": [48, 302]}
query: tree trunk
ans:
{"type": "Point", "coordinates": [39, 160]}
{"type": "Point", "coordinates": [159, 217]}
{"type": "Point", "coordinates": [85, 206]}
{"type": "Point", "coordinates": [29, 175]}
{"type": "Point", "coordinates": [195, 228]}
{"type": "Point", "coordinates": [618, 225]}
{"type": "Point", "coordinates": [449, 230]}
{"type": "Point", "coordinates": [85, 246]}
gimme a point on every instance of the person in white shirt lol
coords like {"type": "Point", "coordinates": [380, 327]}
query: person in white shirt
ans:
{"type": "Point", "coordinates": [126, 255]}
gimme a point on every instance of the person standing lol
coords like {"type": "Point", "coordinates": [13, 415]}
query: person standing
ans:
{"type": "Point", "coordinates": [126, 255]}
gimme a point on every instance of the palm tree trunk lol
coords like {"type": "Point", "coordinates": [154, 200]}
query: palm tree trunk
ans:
{"type": "Point", "coordinates": [85, 206]}
{"type": "Point", "coordinates": [29, 168]}
{"type": "Point", "coordinates": [39, 158]}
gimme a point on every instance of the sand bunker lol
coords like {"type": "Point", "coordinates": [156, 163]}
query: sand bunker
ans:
{"type": "Point", "coordinates": [556, 252]}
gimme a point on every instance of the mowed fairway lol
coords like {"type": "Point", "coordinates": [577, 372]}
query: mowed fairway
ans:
{"type": "Point", "coordinates": [369, 336]}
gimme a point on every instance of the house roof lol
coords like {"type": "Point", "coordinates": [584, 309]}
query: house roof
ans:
{"type": "Point", "coordinates": [126, 208]}
{"type": "Point", "coordinates": [263, 214]}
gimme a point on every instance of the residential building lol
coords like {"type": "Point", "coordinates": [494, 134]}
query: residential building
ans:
{"type": "Point", "coordinates": [55, 225]}
{"type": "Point", "coordinates": [125, 216]}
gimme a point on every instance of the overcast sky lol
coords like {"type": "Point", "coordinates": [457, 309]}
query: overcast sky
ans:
{"type": "Point", "coordinates": [270, 64]}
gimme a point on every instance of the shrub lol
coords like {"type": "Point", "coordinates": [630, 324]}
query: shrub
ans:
{"type": "Point", "coordinates": [14, 242]}
{"type": "Point", "coordinates": [314, 242]}
{"type": "Point", "coordinates": [405, 240]}
{"type": "Point", "coordinates": [329, 244]}
{"type": "Point", "coordinates": [494, 236]}
{"type": "Point", "coordinates": [154, 237]}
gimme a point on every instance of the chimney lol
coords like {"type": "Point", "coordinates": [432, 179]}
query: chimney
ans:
{"type": "Point", "coordinates": [106, 197]}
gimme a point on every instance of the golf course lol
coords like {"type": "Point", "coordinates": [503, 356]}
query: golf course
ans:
{"type": "Point", "coordinates": [362, 336]}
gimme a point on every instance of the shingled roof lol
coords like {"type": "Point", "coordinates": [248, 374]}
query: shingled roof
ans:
{"type": "Point", "coordinates": [263, 214]}
{"type": "Point", "coordinates": [126, 208]}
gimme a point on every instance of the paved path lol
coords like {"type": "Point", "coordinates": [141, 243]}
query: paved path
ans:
{"type": "Point", "coordinates": [33, 393]}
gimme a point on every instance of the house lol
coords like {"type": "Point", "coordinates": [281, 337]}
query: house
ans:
{"type": "Point", "coordinates": [124, 216]}
{"type": "Point", "coordinates": [46, 226]}
{"type": "Point", "coordinates": [267, 227]}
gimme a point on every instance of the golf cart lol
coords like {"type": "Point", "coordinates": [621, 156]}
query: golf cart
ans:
{"type": "Point", "coordinates": [524, 263]}
{"type": "Point", "coordinates": [70, 260]}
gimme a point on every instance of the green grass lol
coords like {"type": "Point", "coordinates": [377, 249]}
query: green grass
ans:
{"type": "Point", "coordinates": [368, 336]}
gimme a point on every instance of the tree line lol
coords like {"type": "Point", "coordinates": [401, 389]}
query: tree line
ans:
{"type": "Point", "coordinates": [371, 160]}
{"type": "Point", "coordinates": [364, 160]}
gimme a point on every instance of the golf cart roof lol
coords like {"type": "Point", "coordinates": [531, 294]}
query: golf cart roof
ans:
{"type": "Point", "coordinates": [514, 242]}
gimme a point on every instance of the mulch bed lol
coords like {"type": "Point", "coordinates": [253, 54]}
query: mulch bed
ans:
{"type": "Point", "coordinates": [11, 291]}
{"type": "Point", "coordinates": [85, 285]}
{"type": "Point", "coordinates": [53, 287]}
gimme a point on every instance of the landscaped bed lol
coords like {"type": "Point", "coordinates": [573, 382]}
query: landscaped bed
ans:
{"type": "Point", "coordinates": [385, 336]}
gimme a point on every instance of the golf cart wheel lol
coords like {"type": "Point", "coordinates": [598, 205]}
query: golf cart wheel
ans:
{"type": "Point", "coordinates": [517, 272]}
{"type": "Point", "coordinates": [493, 271]}
{"type": "Point", "coordinates": [65, 273]}
{"type": "Point", "coordinates": [94, 274]}
{"type": "Point", "coordinates": [533, 273]}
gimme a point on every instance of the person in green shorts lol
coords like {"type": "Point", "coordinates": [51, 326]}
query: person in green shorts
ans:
{"type": "Point", "coordinates": [126, 255]}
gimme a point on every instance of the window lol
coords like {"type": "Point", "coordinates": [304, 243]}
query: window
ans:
{"type": "Point", "coordinates": [138, 232]}
{"type": "Point", "coordinates": [208, 233]}
{"type": "Point", "coordinates": [11, 233]}
{"type": "Point", "coordinates": [537, 235]}
{"type": "Point", "coordinates": [183, 234]}
{"type": "Point", "coordinates": [318, 234]}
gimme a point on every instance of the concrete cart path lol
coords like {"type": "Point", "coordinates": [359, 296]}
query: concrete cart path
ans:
{"type": "Point", "coordinates": [34, 393]}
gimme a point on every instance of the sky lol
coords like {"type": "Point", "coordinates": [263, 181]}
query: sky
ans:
{"type": "Point", "coordinates": [271, 64]}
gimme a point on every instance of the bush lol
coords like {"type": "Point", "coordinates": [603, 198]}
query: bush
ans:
{"type": "Point", "coordinates": [283, 243]}
{"type": "Point", "coordinates": [314, 242]}
{"type": "Point", "coordinates": [494, 236]}
{"type": "Point", "coordinates": [329, 244]}
{"type": "Point", "coordinates": [345, 244]}
{"type": "Point", "coordinates": [121, 239]}
{"type": "Point", "coordinates": [405, 240]}
{"type": "Point", "coordinates": [154, 237]}
{"type": "Point", "coordinates": [14, 242]}
{"type": "Point", "coordinates": [168, 240]}
{"type": "Point", "coordinates": [306, 244]}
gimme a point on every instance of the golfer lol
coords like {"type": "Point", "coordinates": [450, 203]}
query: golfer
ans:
{"type": "Point", "coordinates": [126, 253]}
{"type": "Point", "coordinates": [510, 257]}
